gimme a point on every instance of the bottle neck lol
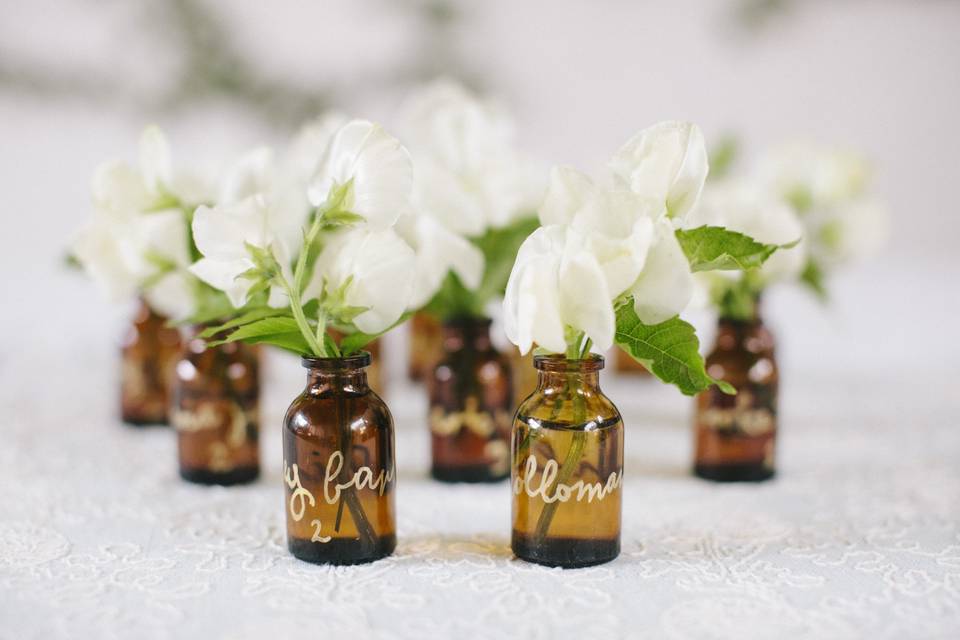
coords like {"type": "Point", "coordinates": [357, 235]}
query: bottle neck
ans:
{"type": "Point", "coordinates": [558, 373]}
{"type": "Point", "coordinates": [467, 333]}
{"type": "Point", "coordinates": [743, 335]}
{"type": "Point", "coordinates": [337, 375]}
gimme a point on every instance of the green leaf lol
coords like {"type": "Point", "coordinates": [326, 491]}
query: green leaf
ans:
{"type": "Point", "coordinates": [812, 276]}
{"type": "Point", "coordinates": [716, 248]}
{"type": "Point", "coordinates": [500, 247]}
{"type": "Point", "coordinates": [357, 340]}
{"type": "Point", "coordinates": [281, 331]}
{"type": "Point", "coordinates": [245, 318]}
{"type": "Point", "coordinates": [670, 350]}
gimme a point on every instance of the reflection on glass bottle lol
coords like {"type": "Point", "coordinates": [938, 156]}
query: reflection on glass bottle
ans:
{"type": "Point", "coordinates": [471, 404]}
{"type": "Point", "coordinates": [215, 410]}
{"type": "Point", "coordinates": [149, 354]}
{"type": "Point", "coordinates": [567, 469]}
{"type": "Point", "coordinates": [735, 434]}
{"type": "Point", "coordinates": [426, 337]}
{"type": "Point", "coordinates": [338, 466]}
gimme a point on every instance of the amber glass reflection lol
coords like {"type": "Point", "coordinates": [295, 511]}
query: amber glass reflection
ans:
{"type": "Point", "coordinates": [567, 469]}
{"type": "Point", "coordinates": [426, 339]}
{"type": "Point", "coordinates": [735, 434]}
{"type": "Point", "coordinates": [215, 410]}
{"type": "Point", "coordinates": [149, 354]}
{"type": "Point", "coordinates": [471, 404]}
{"type": "Point", "coordinates": [338, 463]}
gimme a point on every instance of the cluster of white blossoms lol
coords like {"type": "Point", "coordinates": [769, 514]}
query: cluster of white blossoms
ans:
{"type": "Point", "coordinates": [346, 183]}
{"type": "Point", "coordinates": [138, 238]}
{"type": "Point", "coordinates": [828, 189]}
{"type": "Point", "coordinates": [346, 206]}
{"type": "Point", "coordinates": [468, 179]}
{"type": "Point", "coordinates": [604, 242]}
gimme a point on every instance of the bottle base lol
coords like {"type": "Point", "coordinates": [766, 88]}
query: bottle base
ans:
{"type": "Point", "coordinates": [475, 474]}
{"type": "Point", "coordinates": [341, 551]}
{"type": "Point", "coordinates": [144, 421]}
{"type": "Point", "coordinates": [568, 553]}
{"type": "Point", "coordinates": [240, 475]}
{"type": "Point", "coordinates": [733, 472]}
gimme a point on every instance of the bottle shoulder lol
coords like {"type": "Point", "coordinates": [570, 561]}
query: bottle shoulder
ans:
{"type": "Point", "coordinates": [580, 411]}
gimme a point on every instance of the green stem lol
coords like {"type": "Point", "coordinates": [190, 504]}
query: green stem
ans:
{"type": "Point", "coordinates": [301, 318]}
{"type": "Point", "coordinates": [569, 465]}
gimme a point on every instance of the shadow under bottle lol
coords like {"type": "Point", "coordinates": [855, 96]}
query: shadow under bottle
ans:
{"type": "Point", "coordinates": [471, 405]}
{"type": "Point", "coordinates": [567, 469]}
{"type": "Point", "coordinates": [735, 435]}
{"type": "Point", "coordinates": [338, 462]}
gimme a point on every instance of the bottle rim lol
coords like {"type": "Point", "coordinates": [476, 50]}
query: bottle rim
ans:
{"type": "Point", "coordinates": [561, 364]}
{"type": "Point", "coordinates": [357, 360]}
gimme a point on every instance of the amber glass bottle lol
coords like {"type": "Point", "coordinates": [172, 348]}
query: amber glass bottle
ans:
{"type": "Point", "coordinates": [471, 405]}
{"type": "Point", "coordinates": [426, 337]}
{"type": "Point", "coordinates": [735, 434]}
{"type": "Point", "coordinates": [215, 410]}
{"type": "Point", "coordinates": [567, 467]}
{"type": "Point", "coordinates": [149, 354]}
{"type": "Point", "coordinates": [338, 465]}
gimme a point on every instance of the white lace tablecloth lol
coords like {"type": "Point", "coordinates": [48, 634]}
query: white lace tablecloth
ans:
{"type": "Point", "coordinates": [858, 537]}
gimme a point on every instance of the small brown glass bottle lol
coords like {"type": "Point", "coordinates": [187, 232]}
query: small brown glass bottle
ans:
{"type": "Point", "coordinates": [567, 468]}
{"type": "Point", "coordinates": [471, 404]}
{"type": "Point", "coordinates": [735, 434]}
{"type": "Point", "coordinates": [149, 353]}
{"type": "Point", "coordinates": [338, 466]}
{"type": "Point", "coordinates": [215, 410]}
{"type": "Point", "coordinates": [425, 345]}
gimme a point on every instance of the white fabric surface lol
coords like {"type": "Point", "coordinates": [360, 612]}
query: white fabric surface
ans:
{"type": "Point", "coordinates": [859, 536]}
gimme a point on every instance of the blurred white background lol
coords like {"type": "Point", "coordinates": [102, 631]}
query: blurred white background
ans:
{"type": "Point", "coordinates": [79, 79]}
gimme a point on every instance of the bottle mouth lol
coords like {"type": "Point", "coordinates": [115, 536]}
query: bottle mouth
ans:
{"type": "Point", "coordinates": [560, 364]}
{"type": "Point", "coordinates": [356, 361]}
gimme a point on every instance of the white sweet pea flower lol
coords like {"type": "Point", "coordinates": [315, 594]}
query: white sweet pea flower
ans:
{"type": "Point", "coordinates": [615, 224]}
{"type": "Point", "coordinates": [438, 251]}
{"type": "Point", "coordinates": [665, 285]}
{"type": "Point", "coordinates": [367, 271]}
{"type": "Point", "coordinates": [556, 282]}
{"type": "Point", "coordinates": [667, 163]}
{"type": "Point", "coordinates": [283, 194]}
{"type": "Point", "coordinates": [368, 171]}
{"type": "Point", "coordinates": [749, 209]}
{"type": "Point", "coordinates": [468, 175]}
{"type": "Point", "coordinates": [224, 235]}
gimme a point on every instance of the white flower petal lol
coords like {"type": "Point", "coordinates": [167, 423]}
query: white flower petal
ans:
{"type": "Point", "coordinates": [667, 162]}
{"type": "Point", "coordinates": [586, 302]}
{"type": "Point", "coordinates": [155, 165]}
{"type": "Point", "coordinates": [224, 275]}
{"type": "Point", "coordinates": [567, 192]}
{"type": "Point", "coordinates": [665, 285]}
{"type": "Point", "coordinates": [172, 296]}
{"type": "Point", "coordinates": [379, 166]}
